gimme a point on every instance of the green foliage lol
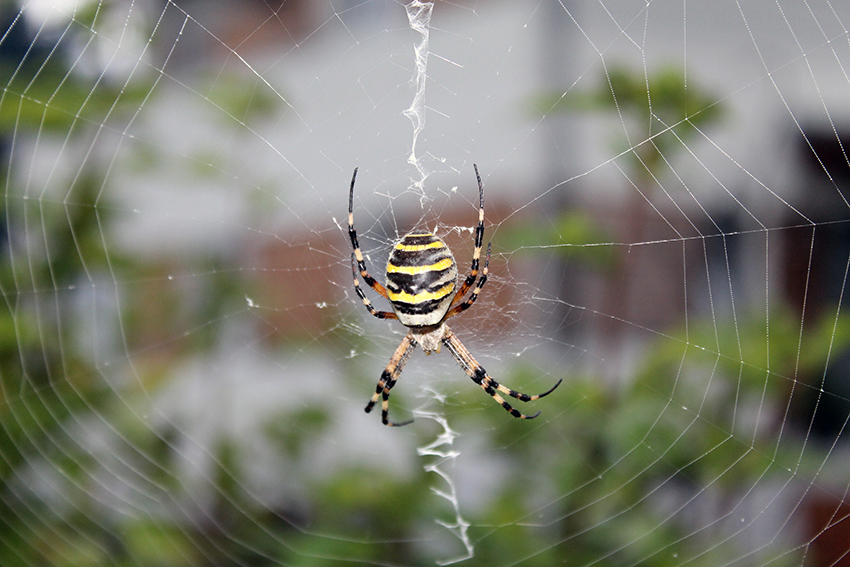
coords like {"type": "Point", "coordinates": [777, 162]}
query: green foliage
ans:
{"type": "Point", "coordinates": [232, 95]}
{"type": "Point", "coordinates": [696, 426]}
{"type": "Point", "coordinates": [50, 98]}
{"type": "Point", "coordinates": [661, 112]}
{"type": "Point", "coordinates": [573, 234]}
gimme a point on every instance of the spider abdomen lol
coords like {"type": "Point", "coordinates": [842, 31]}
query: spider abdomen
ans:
{"type": "Point", "coordinates": [421, 278]}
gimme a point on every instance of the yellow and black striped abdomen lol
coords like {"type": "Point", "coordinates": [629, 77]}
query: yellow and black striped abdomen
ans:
{"type": "Point", "coordinates": [421, 278]}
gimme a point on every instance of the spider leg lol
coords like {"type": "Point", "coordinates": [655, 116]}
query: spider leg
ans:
{"type": "Point", "coordinates": [488, 384]}
{"type": "Point", "coordinates": [388, 379]}
{"type": "Point", "coordinates": [479, 240]}
{"type": "Point", "coordinates": [366, 302]}
{"type": "Point", "coordinates": [358, 254]}
{"type": "Point", "coordinates": [461, 307]}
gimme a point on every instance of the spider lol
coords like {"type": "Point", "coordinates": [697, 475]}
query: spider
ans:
{"type": "Point", "coordinates": [421, 279]}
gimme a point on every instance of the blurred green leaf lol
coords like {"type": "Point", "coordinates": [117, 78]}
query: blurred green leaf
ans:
{"type": "Point", "coordinates": [661, 111]}
{"type": "Point", "coordinates": [51, 98]}
{"type": "Point", "coordinates": [574, 235]}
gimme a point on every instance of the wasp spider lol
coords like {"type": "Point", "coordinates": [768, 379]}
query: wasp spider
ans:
{"type": "Point", "coordinates": [421, 280]}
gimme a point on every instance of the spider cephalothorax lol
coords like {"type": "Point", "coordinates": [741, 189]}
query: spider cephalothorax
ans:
{"type": "Point", "coordinates": [420, 286]}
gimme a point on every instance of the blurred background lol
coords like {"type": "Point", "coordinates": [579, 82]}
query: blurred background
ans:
{"type": "Point", "coordinates": [184, 362]}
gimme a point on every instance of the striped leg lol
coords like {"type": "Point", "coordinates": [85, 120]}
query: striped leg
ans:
{"type": "Point", "coordinates": [479, 240]}
{"type": "Point", "coordinates": [488, 384]}
{"type": "Point", "coordinates": [366, 302]}
{"type": "Point", "coordinates": [460, 307]}
{"type": "Point", "coordinates": [388, 379]}
{"type": "Point", "coordinates": [358, 254]}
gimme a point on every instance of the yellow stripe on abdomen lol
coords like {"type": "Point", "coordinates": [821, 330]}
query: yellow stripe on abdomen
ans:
{"type": "Point", "coordinates": [443, 264]}
{"type": "Point", "coordinates": [422, 296]}
{"type": "Point", "coordinates": [419, 247]}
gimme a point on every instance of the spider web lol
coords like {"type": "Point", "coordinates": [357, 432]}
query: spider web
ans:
{"type": "Point", "coordinates": [185, 362]}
